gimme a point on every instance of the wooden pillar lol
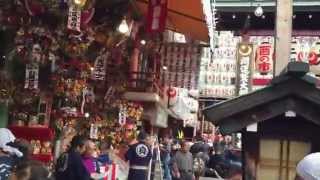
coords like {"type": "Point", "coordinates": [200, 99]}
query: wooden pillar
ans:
{"type": "Point", "coordinates": [283, 35]}
{"type": "Point", "coordinates": [134, 67]}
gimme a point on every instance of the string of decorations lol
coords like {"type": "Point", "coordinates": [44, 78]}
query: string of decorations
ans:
{"type": "Point", "coordinates": [210, 11]}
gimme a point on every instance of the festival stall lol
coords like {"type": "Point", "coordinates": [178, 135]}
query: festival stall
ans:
{"type": "Point", "coordinates": [66, 70]}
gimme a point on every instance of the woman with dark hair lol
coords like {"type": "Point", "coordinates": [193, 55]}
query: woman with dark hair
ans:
{"type": "Point", "coordinates": [69, 165]}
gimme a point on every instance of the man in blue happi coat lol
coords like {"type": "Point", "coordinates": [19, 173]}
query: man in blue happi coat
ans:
{"type": "Point", "coordinates": [139, 156]}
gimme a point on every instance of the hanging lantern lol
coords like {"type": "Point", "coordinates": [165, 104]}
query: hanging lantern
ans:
{"type": "Point", "coordinates": [172, 92]}
{"type": "Point", "coordinates": [123, 27]}
{"type": "Point", "coordinates": [79, 3]}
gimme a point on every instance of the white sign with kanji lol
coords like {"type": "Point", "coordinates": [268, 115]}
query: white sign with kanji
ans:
{"type": "Point", "coordinates": [32, 76]}
{"type": "Point", "coordinates": [74, 18]}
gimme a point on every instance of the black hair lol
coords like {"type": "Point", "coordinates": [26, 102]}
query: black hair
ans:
{"type": "Point", "coordinates": [32, 170]}
{"type": "Point", "coordinates": [77, 141]}
{"type": "Point", "coordinates": [143, 136]}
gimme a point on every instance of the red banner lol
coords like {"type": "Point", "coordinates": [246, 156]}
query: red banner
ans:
{"type": "Point", "coordinates": [157, 15]}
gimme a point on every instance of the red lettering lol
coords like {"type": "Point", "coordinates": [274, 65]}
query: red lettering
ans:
{"type": "Point", "coordinates": [264, 67]}
{"type": "Point", "coordinates": [264, 50]}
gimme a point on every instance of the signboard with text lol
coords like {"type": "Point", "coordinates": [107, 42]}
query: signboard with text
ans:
{"type": "Point", "coordinates": [217, 76]}
{"type": "Point", "coordinates": [244, 68]}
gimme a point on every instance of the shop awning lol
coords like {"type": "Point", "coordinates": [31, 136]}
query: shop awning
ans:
{"type": "Point", "coordinates": [185, 17]}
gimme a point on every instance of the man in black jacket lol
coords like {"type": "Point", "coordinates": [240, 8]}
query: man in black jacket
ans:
{"type": "Point", "coordinates": [69, 165]}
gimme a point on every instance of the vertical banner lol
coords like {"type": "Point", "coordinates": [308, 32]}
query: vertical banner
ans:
{"type": "Point", "coordinates": [244, 68]}
{"type": "Point", "coordinates": [264, 59]}
{"type": "Point", "coordinates": [99, 70]}
{"type": "Point", "coordinates": [94, 131]}
{"type": "Point", "coordinates": [74, 18]}
{"type": "Point", "coordinates": [157, 15]}
{"type": "Point", "coordinates": [32, 76]}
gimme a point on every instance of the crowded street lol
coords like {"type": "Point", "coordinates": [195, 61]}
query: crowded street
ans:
{"type": "Point", "coordinates": [159, 90]}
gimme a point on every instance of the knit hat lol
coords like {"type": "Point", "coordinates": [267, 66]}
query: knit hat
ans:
{"type": "Point", "coordinates": [309, 167]}
{"type": "Point", "coordinates": [6, 137]}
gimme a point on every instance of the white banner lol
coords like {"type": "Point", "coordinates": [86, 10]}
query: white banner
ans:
{"type": "Point", "coordinates": [74, 18]}
{"type": "Point", "coordinates": [122, 115]}
{"type": "Point", "coordinates": [32, 76]}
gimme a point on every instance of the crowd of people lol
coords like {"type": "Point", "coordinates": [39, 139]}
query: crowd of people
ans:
{"type": "Point", "coordinates": [147, 159]}
{"type": "Point", "coordinates": [191, 160]}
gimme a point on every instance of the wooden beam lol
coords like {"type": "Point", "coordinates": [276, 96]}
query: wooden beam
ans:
{"type": "Point", "coordinates": [258, 114]}
{"type": "Point", "coordinates": [249, 101]}
{"type": "Point", "coordinates": [283, 35]}
{"type": "Point", "coordinates": [304, 108]}
{"type": "Point", "coordinates": [307, 110]}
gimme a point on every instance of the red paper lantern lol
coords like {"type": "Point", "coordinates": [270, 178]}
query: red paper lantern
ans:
{"type": "Point", "coordinates": [172, 92]}
{"type": "Point", "coordinates": [313, 58]}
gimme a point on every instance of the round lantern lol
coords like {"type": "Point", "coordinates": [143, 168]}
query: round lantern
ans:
{"type": "Point", "coordinates": [172, 92]}
{"type": "Point", "coordinates": [314, 55]}
{"type": "Point", "coordinates": [313, 58]}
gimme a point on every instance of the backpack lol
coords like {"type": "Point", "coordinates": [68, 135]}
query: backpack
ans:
{"type": "Point", "coordinates": [62, 163]}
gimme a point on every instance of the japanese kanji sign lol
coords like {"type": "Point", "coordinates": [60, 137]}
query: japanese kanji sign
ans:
{"type": "Point", "coordinates": [74, 18]}
{"type": "Point", "coordinates": [264, 60]}
{"type": "Point", "coordinates": [244, 68]}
